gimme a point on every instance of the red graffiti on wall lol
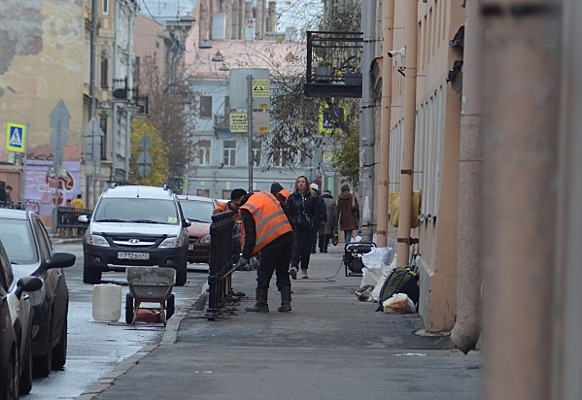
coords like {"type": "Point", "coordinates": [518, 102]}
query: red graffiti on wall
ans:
{"type": "Point", "coordinates": [65, 184]}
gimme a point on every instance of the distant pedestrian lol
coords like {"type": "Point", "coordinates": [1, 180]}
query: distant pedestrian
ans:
{"type": "Point", "coordinates": [305, 215]}
{"type": "Point", "coordinates": [322, 215]}
{"type": "Point", "coordinates": [282, 195]}
{"type": "Point", "coordinates": [8, 194]}
{"type": "Point", "coordinates": [326, 228]}
{"type": "Point", "coordinates": [2, 193]}
{"type": "Point", "coordinates": [348, 212]}
{"type": "Point", "coordinates": [266, 229]}
{"type": "Point", "coordinates": [78, 202]}
{"type": "Point", "coordinates": [235, 198]}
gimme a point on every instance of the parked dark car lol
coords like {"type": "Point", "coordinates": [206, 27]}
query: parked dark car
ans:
{"type": "Point", "coordinates": [198, 210]}
{"type": "Point", "coordinates": [31, 253]}
{"type": "Point", "coordinates": [135, 225]}
{"type": "Point", "coordinates": [16, 316]}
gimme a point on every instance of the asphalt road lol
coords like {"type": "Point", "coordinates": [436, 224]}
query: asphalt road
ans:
{"type": "Point", "coordinates": [94, 347]}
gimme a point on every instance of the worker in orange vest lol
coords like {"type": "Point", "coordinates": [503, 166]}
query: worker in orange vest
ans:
{"type": "Point", "coordinates": [282, 195]}
{"type": "Point", "coordinates": [266, 229]}
{"type": "Point", "coordinates": [235, 198]}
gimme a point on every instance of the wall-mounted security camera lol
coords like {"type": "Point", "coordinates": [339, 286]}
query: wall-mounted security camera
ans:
{"type": "Point", "coordinates": [397, 53]}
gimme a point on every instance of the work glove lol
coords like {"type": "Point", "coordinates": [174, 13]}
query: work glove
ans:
{"type": "Point", "coordinates": [242, 264]}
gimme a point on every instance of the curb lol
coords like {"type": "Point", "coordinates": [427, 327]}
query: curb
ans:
{"type": "Point", "coordinates": [168, 338]}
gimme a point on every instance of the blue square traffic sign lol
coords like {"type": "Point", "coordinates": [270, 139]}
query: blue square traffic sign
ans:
{"type": "Point", "coordinates": [15, 137]}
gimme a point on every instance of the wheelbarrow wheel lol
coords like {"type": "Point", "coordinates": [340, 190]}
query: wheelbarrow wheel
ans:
{"type": "Point", "coordinates": [128, 308]}
{"type": "Point", "coordinates": [170, 304]}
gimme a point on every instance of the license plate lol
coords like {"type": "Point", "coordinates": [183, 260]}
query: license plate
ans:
{"type": "Point", "coordinates": [122, 255]}
{"type": "Point", "coordinates": [190, 247]}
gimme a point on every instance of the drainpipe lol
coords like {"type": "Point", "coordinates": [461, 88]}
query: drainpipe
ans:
{"type": "Point", "coordinates": [521, 81]}
{"type": "Point", "coordinates": [566, 382]}
{"type": "Point", "coordinates": [367, 122]}
{"type": "Point", "coordinates": [407, 168]}
{"type": "Point", "coordinates": [467, 329]}
{"type": "Point", "coordinates": [382, 177]}
{"type": "Point", "coordinates": [114, 117]}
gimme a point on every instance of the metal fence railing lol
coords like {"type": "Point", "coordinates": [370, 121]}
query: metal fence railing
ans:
{"type": "Point", "coordinates": [67, 225]}
{"type": "Point", "coordinates": [220, 293]}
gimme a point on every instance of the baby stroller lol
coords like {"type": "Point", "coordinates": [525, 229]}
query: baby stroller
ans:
{"type": "Point", "coordinates": [352, 258]}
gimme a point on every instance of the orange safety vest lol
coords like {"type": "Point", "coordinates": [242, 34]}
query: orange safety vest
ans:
{"type": "Point", "coordinates": [285, 193]}
{"type": "Point", "coordinates": [220, 207]}
{"type": "Point", "coordinates": [270, 220]}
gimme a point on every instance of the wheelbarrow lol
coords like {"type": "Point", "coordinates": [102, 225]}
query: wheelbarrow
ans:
{"type": "Point", "coordinates": [149, 285]}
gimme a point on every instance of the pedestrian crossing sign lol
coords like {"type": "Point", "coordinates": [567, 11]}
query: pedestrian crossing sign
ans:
{"type": "Point", "coordinates": [15, 137]}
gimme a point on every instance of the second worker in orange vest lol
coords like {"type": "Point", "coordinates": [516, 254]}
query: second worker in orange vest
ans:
{"type": "Point", "coordinates": [267, 229]}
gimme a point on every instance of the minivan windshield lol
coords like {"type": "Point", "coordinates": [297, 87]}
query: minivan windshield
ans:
{"type": "Point", "coordinates": [198, 211]}
{"type": "Point", "coordinates": [139, 210]}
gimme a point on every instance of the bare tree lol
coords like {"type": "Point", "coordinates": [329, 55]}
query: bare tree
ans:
{"type": "Point", "coordinates": [171, 106]}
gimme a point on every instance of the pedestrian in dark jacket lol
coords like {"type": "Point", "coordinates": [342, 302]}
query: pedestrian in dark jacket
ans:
{"type": "Point", "coordinates": [305, 215]}
{"type": "Point", "coordinates": [348, 211]}
{"type": "Point", "coordinates": [326, 228]}
{"type": "Point", "coordinates": [323, 215]}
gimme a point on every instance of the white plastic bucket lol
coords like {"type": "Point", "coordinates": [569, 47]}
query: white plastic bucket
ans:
{"type": "Point", "coordinates": [107, 302]}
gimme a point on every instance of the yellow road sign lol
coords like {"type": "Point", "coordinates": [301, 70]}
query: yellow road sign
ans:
{"type": "Point", "coordinates": [238, 122]}
{"type": "Point", "coordinates": [260, 88]}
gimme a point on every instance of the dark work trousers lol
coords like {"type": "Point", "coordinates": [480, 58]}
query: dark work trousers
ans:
{"type": "Point", "coordinates": [302, 248]}
{"type": "Point", "coordinates": [314, 242]}
{"type": "Point", "coordinates": [324, 242]}
{"type": "Point", "coordinates": [274, 259]}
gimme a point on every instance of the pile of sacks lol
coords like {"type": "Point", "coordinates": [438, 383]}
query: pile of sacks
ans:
{"type": "Point", "coordinates": [378, 265]}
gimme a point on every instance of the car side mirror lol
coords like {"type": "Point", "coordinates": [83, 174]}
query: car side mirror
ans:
{"type": "Point", "coordinates": [83, 219]}
{"type": "Point", "coordinates": [27, 284]}
{"type": "Point", "coordinates": [186, 223]}
{"type": "Point", "coordinates": [62, 260]}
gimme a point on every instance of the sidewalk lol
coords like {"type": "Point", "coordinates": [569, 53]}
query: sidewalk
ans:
{"type": "Point", "coordinates": [331, 346]}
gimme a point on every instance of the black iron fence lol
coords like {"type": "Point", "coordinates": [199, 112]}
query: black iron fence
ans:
{"type": "Point", "coordinates": [220, 293]}
{"type": "Point", "coordinates": [67, 224]}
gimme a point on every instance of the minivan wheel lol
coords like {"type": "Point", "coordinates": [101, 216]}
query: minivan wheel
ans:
{"type": "Point", "coordinates": [91, 276]}
{"type": "Point", "coordinates": [182, 274]}
{"type": "Point", "coordinates": [128, 308]}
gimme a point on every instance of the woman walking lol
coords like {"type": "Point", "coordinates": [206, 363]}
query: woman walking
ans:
{"type": "Point", "coordinates": [348, 211]}
{"type": "Point", "coordinates": [304, 215]}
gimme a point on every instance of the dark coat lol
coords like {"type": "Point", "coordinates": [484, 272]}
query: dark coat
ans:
{"type": "Point", "coordinates": [304, 211]}
{"type": "Point", "coordinates": [348, 218]}
{"type": "Point", "coordinates": [327, 227]}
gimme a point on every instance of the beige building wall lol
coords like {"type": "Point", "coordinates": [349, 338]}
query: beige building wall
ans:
{"type": "Point", "coordinates": [436, 153]}
{"type": "Point", "coordinates": [41, 66]}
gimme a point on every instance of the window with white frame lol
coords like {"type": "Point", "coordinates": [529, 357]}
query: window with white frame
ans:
{"type": "Point", "coordinates": [281, 156]}
{"type": "Point", "coordinates": [229, 157]}
{"type": "Point", "coordinates": [203, 152]}
{"type": "Point", "coordinates": [105, 9]}
{"type": "Point", "coordinates": [256, 153]}
{"type": "Point", "coordinates": [205, 106]}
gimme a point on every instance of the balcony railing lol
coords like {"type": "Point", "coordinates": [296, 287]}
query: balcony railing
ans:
{"type": "Point", "coordinates": [333, 64]}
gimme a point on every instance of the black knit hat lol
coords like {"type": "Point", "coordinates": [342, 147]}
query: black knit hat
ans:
{"type": "Point", "coordinates": [276, 188]}
{"type": "Point", "coordinates": [237, 193]}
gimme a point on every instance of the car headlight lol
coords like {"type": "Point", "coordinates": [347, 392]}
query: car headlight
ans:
{"type": "Point", "coordinates": [36, 298]}
{"type": "Point", "coordinates": [97, 240]}
{"type": "Point", "coordinates": [171, 243]}
{"type": "Point", "coordinates": [205, 239]}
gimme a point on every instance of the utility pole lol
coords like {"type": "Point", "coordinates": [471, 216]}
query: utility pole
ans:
{"type": "Point", "coordinates": [407, 168]}
{"type": "Point", "coordinates": [93, 112]}
{"type": "Point", "coordinates": [367, 122]}
{"type": "Point", "coordinates": [250, 129]}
